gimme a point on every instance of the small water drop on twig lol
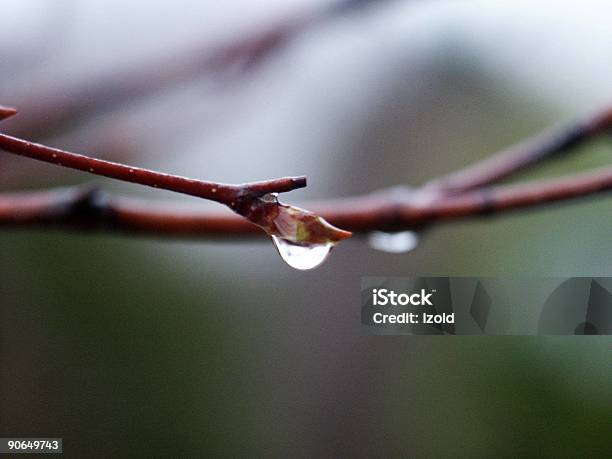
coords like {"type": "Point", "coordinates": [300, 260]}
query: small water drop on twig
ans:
{"type": "Point", "coordinates": [401, 242]}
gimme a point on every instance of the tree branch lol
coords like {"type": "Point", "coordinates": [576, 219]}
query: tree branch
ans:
{"type": "Point", "coordinates": [518, 157]}
{"type": "Point", "coordinates": [219, 192]}
{"type": "Point", "coordinates": [459, 195]}
{"type": "Point", "coordinates": [254, 201]}
{"type": "Point", "coordinates": [393, 210]}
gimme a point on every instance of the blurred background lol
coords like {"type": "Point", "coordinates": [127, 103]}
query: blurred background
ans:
{"type": "Point", "coordinates": [144, 347]}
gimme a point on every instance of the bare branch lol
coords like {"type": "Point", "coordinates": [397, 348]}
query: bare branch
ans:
{"type": "Point", "coordinates": [516, 158]}
{"type": "Point", "coordinates": [250, 200]}
{"type": "Point", "coordinates": [219, 192]}
{"type": "Point", "coordinates": [90, 209]}
{"type": "Point", "coordinates": [459, 195]}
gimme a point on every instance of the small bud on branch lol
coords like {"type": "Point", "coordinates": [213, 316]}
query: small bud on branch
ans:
{"type": "Point", "coordinates": [245, 199]}
{"type": "Point", "coordinates": [462, 194]}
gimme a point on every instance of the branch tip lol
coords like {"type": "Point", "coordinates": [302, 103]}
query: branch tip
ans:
{"type": "Point", "coordinates": [280, 185]}
{"type": "Point", "coordinates": [90, 200]}
{"type": "Point", "coordinates": [7, 112]}
{"type": "Point", "coordinates": [299, 181]}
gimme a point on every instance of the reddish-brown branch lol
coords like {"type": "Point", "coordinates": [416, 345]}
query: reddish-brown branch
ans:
{"type": "Point", "coordinates": [250, 200]}
{"type": "Point", "coordinates": [84, 208]}
{"type": "Point", "coordinates": [523, 155]}
{"type": "Point", "coordinates": [459, 195]}
{"type": "Point", "coordinates": [219, 192]}
{"type": "Point", "coordinates": [511, 197]}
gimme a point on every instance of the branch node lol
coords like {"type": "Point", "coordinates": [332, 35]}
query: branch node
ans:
{"type": "Point", "coordinates": [91, 204]}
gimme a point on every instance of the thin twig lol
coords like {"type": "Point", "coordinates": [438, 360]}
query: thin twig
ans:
{"type": "Point", "coordinates": [219, 192]}
{"type": "Point", "coordinates": [518, 157]}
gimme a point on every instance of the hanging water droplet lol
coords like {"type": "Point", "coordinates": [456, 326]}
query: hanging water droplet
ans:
{"type": "Point", "coordinates": [401, 242]}
{"type": "Point", "coordinates": [302, 256]}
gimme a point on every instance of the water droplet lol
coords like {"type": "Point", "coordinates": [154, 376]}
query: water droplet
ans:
{"type": "Point", "coordinates": [302, 256]}
{"type": "Point", "coordinates": [401, 242]}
